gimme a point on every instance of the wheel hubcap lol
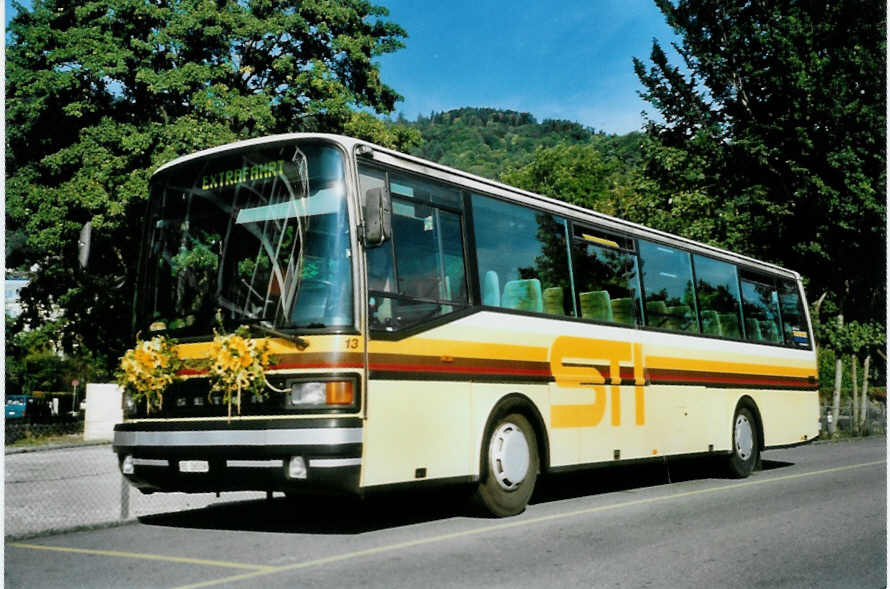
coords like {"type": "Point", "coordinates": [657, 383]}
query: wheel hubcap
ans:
{"type": "Point", "coordinates": [744, 437]}
{"type": "Point", "coordinates": [508, 456]}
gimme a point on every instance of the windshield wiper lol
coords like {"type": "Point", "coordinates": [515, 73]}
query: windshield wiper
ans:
{"type": "Point", "coordinates": [266, 328]}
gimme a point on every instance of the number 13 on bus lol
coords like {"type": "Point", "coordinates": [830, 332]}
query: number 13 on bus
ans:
{"type": "Point", "coordinates": [429, 326]}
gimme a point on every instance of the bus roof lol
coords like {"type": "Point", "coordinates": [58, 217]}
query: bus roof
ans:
{"type": "Point", "coordinates": [491, 187]}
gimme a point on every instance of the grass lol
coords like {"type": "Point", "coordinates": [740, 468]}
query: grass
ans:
{"type": "Point", "coordinates": [31, 440]}
{"type": "Point", "coordinates": [29, 435]}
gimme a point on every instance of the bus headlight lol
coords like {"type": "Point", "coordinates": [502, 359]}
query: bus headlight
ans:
{"type": "Point", "coordinates": [129, 406]}
{"type": "Point", "coordinates": [318, 393]}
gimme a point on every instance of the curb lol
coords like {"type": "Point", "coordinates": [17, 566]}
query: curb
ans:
{"type": "Point", "coordinates": [26, 449]}
{"type": "Point", "coordinates": [69, 530]}
{"type": "Point", "coordinates": [849, 440]}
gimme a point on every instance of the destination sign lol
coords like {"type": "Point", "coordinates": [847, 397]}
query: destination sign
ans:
{"type": "Point", "coordinates": [234, 176]}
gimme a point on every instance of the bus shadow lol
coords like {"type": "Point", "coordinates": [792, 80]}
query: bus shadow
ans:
{"type": "Point", "coordinates": [627, 477]}
{"type": "Point", "coordinates": [321, 514]}
{"type": "Point", "coordinates": [347, 515]}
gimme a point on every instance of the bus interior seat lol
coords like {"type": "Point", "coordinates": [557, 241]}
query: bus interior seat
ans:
{"type": "Point", "coordinates": [753, 327]}
{"type": "Point", "coordinates": [383, 314]}
{"type": "Point", "coordinates": [524, 295]}
{"type": "Point", "coordinates": [623, 311]}
{"type": "Point", "coordinates": [553, 301]}
{"type": "Point", "coordinates": [729, 325]}
{"type": "Point", "coordinates": [680, 318]}
{"type": "Point", "coordinates": [710, 322]}
{"type": "Point", "coordinates": [656, 314]}
{"type": "Point", "coordinates": [769, 331]}
{"type": "Point", "coordinates": [491, 289]}
{"type": "Point", "coordinates": [597, 305]}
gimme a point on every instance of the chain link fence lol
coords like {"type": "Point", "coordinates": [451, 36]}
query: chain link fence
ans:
{"type": "Point", "coordinates": [875, 421]}
{"type": "Point", "coordinates": [29, 432]}
{"type": "Point", "coordinates": [54, 482]}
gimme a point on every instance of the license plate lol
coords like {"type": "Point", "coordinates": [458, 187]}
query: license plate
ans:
{"type": "Point", "coordinates": [194, 466]}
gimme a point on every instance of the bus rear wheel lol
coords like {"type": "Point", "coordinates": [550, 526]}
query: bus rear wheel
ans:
{"type": "Point", "coordinates": [745, 444]}
{"type": "Point", "coordinates": [510, 466]}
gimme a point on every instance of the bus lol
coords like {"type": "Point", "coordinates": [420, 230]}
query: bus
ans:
{"type": "Point", "coordinates": [432, 326]}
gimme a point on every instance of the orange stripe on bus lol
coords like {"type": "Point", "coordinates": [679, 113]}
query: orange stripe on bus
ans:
{"type": "Point", "coordinates": [725, 367]}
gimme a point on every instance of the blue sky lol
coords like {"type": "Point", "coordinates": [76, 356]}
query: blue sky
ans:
{"type": "Point", "coordinates": [570, 59]}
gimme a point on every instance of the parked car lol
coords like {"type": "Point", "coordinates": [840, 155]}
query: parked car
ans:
{"type": "Point", "coordinates": [15, 406]}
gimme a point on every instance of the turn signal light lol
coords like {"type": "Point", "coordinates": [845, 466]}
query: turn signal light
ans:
{"type": "Point", "coordinates": [339, 392]}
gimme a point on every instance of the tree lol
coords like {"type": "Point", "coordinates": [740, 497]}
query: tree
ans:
{"type": "Point", "coordinates": [771, 138]}
{"type": "Point", "coordinates": [396, 136]}
{"type": "Point", "coordinates": [855, 340]}
{"type": "Point", "coordinates": [100, 93]}
{"type": "Point", "coordinates": [578, 174]}
{"type": "Point", "coordinates": [862, 339]}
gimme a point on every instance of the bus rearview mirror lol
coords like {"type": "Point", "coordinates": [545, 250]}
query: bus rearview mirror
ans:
{"type": "Point", "coordinates": [378, 216]}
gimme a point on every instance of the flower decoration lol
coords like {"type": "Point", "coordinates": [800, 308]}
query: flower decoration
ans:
{"type": "Point", "coordinates": [237, 364]}
{"type": "Point", "coordinates": [148, 369]}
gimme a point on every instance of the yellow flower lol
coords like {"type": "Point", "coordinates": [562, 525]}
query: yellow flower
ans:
{"type": "Point", "coordinates": [237, 365]}
{"type": "Point", "coordinates": [148, 368]}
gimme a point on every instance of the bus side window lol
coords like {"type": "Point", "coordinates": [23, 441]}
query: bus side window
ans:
{"type": "Point", "coordinates": [667, 280]}
{"type": "Point", "coordinates": [420, 274]}
{"type": "Point", "coordinates": [523, 258]}
{"type": "Point", "coordinates": [794, 323]}
{"type": "Point", "coordinates": [760, 307]}
{"type": "Point", "coordinates": [717, 292]}
{"type": "Point", "coordinates": [606, 277]}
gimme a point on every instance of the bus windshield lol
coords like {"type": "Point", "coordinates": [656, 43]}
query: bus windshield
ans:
{"type": "Point", "coordinates": [257, 235]}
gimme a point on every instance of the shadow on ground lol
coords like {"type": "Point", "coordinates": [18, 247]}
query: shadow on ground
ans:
{"type": "Point", "coordinates": [349, 515]}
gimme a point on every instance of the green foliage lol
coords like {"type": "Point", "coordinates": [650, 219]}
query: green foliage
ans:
{"type": "Point", "coordinates": [854, 338]}
{"type": "Point", "coordinates": [489, 142]}
{"type": "Point", "coordinates": [578, 174]}
{"type": "Point", "coordinates": [32, 363]}
{"type": "Point", "coordinates": [772, 140]}
{"type": "Point", "coordinates": [99, 94]}
{"type": "Point", "coordinates": [394, 136]}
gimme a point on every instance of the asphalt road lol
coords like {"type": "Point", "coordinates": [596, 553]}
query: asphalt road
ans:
{"type": "Point", "coordinates": [816, 516]}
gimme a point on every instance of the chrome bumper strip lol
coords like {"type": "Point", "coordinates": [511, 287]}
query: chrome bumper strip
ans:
{"type": "Point", "coordinates": [334, 462]}
{"type": "Point", "coordinates": [255, 463]}
{"type": "Point", "coordinates": [150, 462]}
{"type": "Point", "coordinates": [268, 437]}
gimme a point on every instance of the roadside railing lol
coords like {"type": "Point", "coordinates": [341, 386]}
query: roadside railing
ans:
{"type": "Point", "coordinates": [54, 489]}
{"type": "Point", "coordinates": [875, 421]}
{"type": "Point", "coordinates": [25, 431]}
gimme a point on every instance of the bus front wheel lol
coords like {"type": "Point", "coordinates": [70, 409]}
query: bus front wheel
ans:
{"type": "Point", "coordinates": [510, 466]}
{"type": "Point", "coordinates": [745, 444]}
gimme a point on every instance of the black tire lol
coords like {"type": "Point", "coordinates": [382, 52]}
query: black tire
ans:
{"type": "Point", "coordinates": [510, 466]}
{"type": "Point", "coordinates": [745, 444]}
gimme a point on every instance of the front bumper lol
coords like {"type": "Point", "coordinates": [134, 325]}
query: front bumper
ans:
{"type": "Point", "coordinates": [241, 455]}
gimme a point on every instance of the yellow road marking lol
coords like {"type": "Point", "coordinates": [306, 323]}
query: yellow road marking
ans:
{"type": "Point", "coordinates": [515, 524]}
{"type": "Point", "coordinates": [144, 556]}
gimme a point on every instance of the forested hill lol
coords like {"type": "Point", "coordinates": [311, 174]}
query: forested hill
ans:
{"type": "Point", "coordinates": [489, 142]}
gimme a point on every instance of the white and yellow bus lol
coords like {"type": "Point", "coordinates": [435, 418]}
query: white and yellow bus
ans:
{"type": "Point", "coordinates": [428, 325]}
